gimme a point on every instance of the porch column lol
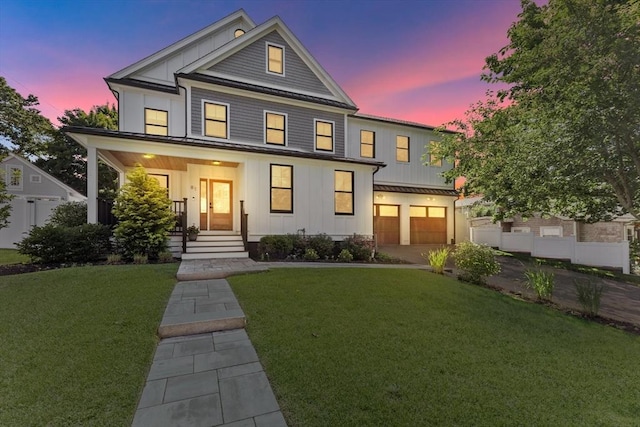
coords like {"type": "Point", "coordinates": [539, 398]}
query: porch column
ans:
{"type": "Point", "coordinates": [92, 185]}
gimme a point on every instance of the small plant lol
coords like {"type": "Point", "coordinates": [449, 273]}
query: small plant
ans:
{"type": "Point", "coordinates": [322, 244]}
{"type": "Point", "coordinates": [140, 259]}
{"type": "Point", "coordinates": [278, 246]}
{"type": "Point", "coordinates": [345, 256]}
{"type": "Point", "coordinates": [192, 232]}
{"type": "Point", "coordinates": [542, 282]}
{"type": "Point", "coordinates": [475, 261]}
{"type": "Point", "coordinates": [437, 259]}
{"type": "Point", "coordinates": [113, 259]}
{"type": "Point", "coordinates": [589, 293]}
{"type": "Point", "coordinates": [165, 257]}
{"type": "Point", "coordinates": [311, 255]}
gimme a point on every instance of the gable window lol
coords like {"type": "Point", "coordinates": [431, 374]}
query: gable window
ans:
{"type": "Point", "coordinates": [14, 177]}
{"type": "Point", "coordinates": [343, 192]}
{"type": "Point", "coordinates": [237, 33]}
{"type": "Point", "coordinates": [402, 148]}
{"type": "Point", "coordinates": [433, 159]}
{"type": "Point", "coordinates": [156, 122]}
{"type": "Point", "coordinates": [324, 135]}
{"type": "Point", "coordinates": [215, 120]}
{"type": "Point", "coordinates": [275, 128]}
{"type": "Point", "coordinates": [281, 189]}
{"type": "Point", "coordinates": [275, 59]}
{"type": "Point", "coordinates": [367, 143]}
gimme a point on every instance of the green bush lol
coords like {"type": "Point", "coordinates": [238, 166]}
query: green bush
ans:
{"type": "Point", "coordinates": [298, 245]}
{"type": "Point", "coordinates": [361, 247]}
{"type": "Point", "coordinates": [114, 259]}
{"type": "Point", "coordinates": [140, 259]}
{"type": "Point", "coordinates": [437, 259]}
{"type": "Point", "coordinates": [53, 244]}
{"type": "Point", "coordinates": [323, 244]}
{"type": "Point", "coordinates": [589, 293]}
{"type": "Point", "coordinates": [70, 214]}
{"type": "Point", "coordinates": [145, 218]}
{"type": "Point", "coordinates": [275, 246]}
{"type": "Point", "coordinates": [165, 257]}
{"type": "Point", "coordinates": [542, 282]}
{"type": "Point", "coordinates": [475, 261]}
{"type": "Point", "coordinates": [311, 255]}
{"type": "Point", "coordinates": [345, 256]}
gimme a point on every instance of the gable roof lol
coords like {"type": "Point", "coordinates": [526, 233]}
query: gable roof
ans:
{"type": "Point", "coordinates": [398, 122]}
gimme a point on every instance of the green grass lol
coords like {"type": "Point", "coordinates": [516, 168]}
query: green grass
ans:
{"type": "Point", "coordinates": [76, 343]}
{"type": "Point", "coordinates": [11, 256]}
{"type": "Point", "coordinates": [370, 347]}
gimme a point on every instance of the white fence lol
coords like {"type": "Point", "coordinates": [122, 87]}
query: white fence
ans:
{"type": "Point", "coordinates": [595, 254]}
{"type": "Point", "coordinates": [24, 215]}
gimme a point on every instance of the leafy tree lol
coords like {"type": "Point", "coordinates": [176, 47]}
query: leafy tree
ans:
{"type": "Point", "coordinates": [5, 206]}
{"type": "Point", "coordinates": [563, 137]}
{"type": "Point", "coordinates": [145, 219]}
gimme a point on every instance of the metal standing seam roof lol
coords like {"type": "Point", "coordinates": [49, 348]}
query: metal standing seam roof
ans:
{"type": "Point", "coordinates": [414, 190]}
{"type": "Point", "coordinates": [398, 122]}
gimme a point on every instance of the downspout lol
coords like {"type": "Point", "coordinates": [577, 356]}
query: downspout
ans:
{"type": "Point", "coordinates": [374, 201]}
{"type": "Point", "coordinates": [186, 126]}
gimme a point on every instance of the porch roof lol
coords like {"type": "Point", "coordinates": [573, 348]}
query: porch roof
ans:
{"type": "Point", "coordinates": [414, 190]}
{"type": "Point", "coordinates": [221, 145]}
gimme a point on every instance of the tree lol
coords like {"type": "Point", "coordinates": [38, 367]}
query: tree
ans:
{"type": "Point", "coordinates": [563, 138]}
{"type": "Point", "coordinates": [145, 218]}
{"type": "Point", "coordinates": [5, 206]}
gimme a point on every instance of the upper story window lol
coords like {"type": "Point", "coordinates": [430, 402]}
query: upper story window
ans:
{"type": "Point", "coordinates": [14, 177]}
{"type": "Point", "coordinates": [275, 59]}
{"type": "Point", "coordinates": [402, 148]}
{"type": "Point", "coordinates": [343, 192]}
{"type": "Point", "coordinates": [156, 122]}
{"type": "Point", "coordinates": [275, 128]}
{"type": "Point", "coordinates": [281, 189]}
{"type": "Point", "coordinates": [367, 143]}
{"type": "Point", "coordinates": [216, 120]}
{"type": "Point", "coordinates": [434, 160]}
{"type": "Point", "coordinates": [324, 135]}
{"type": "Point", "coordinates": [237, 33]}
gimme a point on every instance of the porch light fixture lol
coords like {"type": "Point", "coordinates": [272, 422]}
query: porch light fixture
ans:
{"type": "Point", "coordinates": [216, 163]}
{"type": "Point", "coordinates": [148, 156]}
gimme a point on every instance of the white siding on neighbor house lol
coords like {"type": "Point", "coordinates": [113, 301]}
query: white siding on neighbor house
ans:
{"type": "Point", "coordinates": [133, 101]}
{"type": "Point", "coordinates": [25, 213]}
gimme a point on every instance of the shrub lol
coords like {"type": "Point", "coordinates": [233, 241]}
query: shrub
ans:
{"type": "Point", "coordinates": [361, 247]}
{"type": "Point", "coordinates": [70, 214]}
{"type": "Point", "coordinates": [275, 246]}
{"type": "Point", "coordinates": [475, 261]}
{"type": "Point", "coordinates": [140, 259]}
{"type": "Point", "coordinates": [165, 257]}
{"type": "Point", "coordinates": [589, 293]}
{"type": "Point", "coordinates": [323, 244]}
{"type": "Point", "coordinates": [542, 282]}
{"type": "Point", "coordinates": [437, 259]}
{"type": "Point", "coordinates": [53, 244]}
{"type": "Point", "coordinates": [113, 259]}
{"type": "Point", "coordinates": [145, 219]}
{"type": "Point", "coordinates": [311, 255]}
{"type": "Point", "coordinates": [298, 245]}
{"type": "Point", "coordinates": [345, 256]}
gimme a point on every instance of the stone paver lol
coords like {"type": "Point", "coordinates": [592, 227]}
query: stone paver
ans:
{"type": "Point", "coordinates": [202, 269]}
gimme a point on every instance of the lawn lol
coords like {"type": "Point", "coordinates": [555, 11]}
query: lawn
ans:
{"type": "Point", "coordinates": [76, 343]}
{"type": "Point", "coordinates": [370, 347]}
{"type": "Point", "coordinates": [11, 256]}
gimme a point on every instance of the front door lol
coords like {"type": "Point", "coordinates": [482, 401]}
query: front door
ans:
{"type": "Point", "coordinates": [216, 204]}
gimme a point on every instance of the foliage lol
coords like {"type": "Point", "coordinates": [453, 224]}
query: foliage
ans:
{"type": "Point", "coordinates": [140, 259]}
{"type": "Point", "coordinates": [70, 214]}
{"type": "Point", "coordinates": [475, 261]}
{"type": "Point", "coordinates": [164, 257]}
{"type": "Point", "coordinates": [298, 244]}
{"type": "Point", "coordinates": [562, 137]}
{"type": "Point", "coordinates": [275, 246]}
{"type": "Point", "coordinates": [361, 247]}
{"type": "Point", "coordinates": [541, 281]}
{"type": "Point", "coordinates": [345, 256]}
{"type": "Point", "coordinates": [634, 256]}
{"type": "Point", "coordinates": [5, 206]}
{"type": "Point", "coordinates": [113, 259]}
{"type": "Point", "coordinates": [193, 230]}
{"type": "Point", "coordinates": [311, 255]}
{"type": "Point", "coordinates": [145, 218]}
{"type": "Point", "coordinates": [437, 259]}
{"type": "Point", "coordinates": [589, 293]}
{"type": "Point", "coordinates": [482, 209]}
{"type": "Point", "coordinates": [52, 243]}
{"type": "Point", "coordinates": [323, 244]}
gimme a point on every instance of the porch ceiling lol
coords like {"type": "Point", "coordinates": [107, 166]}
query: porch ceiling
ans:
{"type": "Point", "coordinates": [154, 161]}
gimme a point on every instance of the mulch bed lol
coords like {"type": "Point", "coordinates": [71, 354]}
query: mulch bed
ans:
{"type": "Point", "coordinates": [9, 269]}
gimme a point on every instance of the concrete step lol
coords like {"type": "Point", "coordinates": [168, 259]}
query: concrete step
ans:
{"type": "Point", "coordinates": [220, 243]}
{"type": "Point", "coordinates": [215, 255]}
{"type": "Point", "coordinates": [211, 248]}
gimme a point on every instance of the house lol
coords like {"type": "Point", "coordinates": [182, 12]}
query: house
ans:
{"type": "Point", "coordinates": [251, 136]}
{"type": "Point", "coordinates": [36, 194]}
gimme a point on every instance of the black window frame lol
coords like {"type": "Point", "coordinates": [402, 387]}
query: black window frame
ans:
{"type": "Point", "coordinates": [372, 144]}
{"type": "Point", "coordinates": [352, 192]}
{"type": "Point", "coordinates": [226, 121]}
{"type": "Point", "coordinates": [271, 188]}
{"type": "Point", "coordinates": [146, 124]}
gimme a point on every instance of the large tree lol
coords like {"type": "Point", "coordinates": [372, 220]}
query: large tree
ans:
{"type": "Point", "coordinates": [563, 136]}
{"type": "Point", "coordinates": [5, 198]}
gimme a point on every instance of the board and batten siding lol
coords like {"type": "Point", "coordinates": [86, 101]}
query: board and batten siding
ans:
{"type": "Point", "coordinates": [246, 120]}
{"type": "Point", "coordinates": [251, 63]}
{"type": "Point", "coordinates": [415, 172]}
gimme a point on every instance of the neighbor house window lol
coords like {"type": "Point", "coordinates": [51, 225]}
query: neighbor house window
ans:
{"type": "Point", "coordinates": [324, 135]}
{"type": "Point", "coordinates": [215, 120]}
{"type": "Point", "coordinates": [275, 59]}
{"type": "Point", "coordinates": [14, 177]}
{"type": "Point", "coordinates": [281, 189]}
{"type": "Point", "coordinates": [434, 160]}
{"type": "Point", "coordinates": [367, 143]}
{"type": "Point", "coordinates": [343, 193]}
{"type": "Point", "coordinates": [402, 148]}
{"type": "Point", "coordinates": [156, 122]}
{"type": "Point", "coordinates": [275, 128]}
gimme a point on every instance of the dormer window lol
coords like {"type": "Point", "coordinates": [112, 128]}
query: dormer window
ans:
{"type": "Point", "coordinates": [237, 33]}
{"type": "Point", "coordinates": [275, 59]}
{"type": "Point", "coordinates": [156, 122]}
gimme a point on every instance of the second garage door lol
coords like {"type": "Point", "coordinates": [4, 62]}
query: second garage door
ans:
{"type": "Point", "coordinates": [428, 225]}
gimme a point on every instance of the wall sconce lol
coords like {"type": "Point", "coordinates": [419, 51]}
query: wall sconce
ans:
{"type": "Point", "coordinates": [380, 196]}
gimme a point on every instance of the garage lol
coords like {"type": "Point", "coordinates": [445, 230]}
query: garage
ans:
{"type": "Point", "coordinates": [386, 224]}
{"type": "Point", "coordinates": [428, 225]}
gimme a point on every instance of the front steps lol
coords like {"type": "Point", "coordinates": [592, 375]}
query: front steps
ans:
{"type": "Point", "coordinates": [210, 245]}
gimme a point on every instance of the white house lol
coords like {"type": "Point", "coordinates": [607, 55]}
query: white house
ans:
{"type": "Point", "coordinates": [240, 112]}
{"type": "Point", "coordinates": [36, 194]}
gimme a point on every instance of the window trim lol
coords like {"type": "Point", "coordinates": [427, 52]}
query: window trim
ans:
{"type": "Point", "coordinates": [274, 73]}
{"type": "Point", "coordinates": [315, 136]}
{"type": "Point", "coordinates": [440, 162]}
{"type": "Point", "coordinates": [166, 127]}
{"type": "Point", "coordinates": [408, 149]}
{"type": "Point", "coordinates": [271, 187]}
{"type": "Point", "coordinates": [352, 192]}
{"type": "Point", "coordinates": [285, 142]}
{"type": "Point", "coordinates": [8, 174]}
{"type": "Point", "coordinates": [373, 144]}
{"type": "Point", "coordinates": [204, 103]}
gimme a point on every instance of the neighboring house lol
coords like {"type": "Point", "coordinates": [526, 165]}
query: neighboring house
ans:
{"type": "Point", "coordinates": [36, 195]}
{"type": "Point", "coordinates": [243, 113]}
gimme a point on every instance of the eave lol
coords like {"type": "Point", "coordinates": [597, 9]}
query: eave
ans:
{"type": "Point", "coordinates": [414, 190]}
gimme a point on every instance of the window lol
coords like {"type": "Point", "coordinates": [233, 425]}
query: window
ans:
{"type": "Point", "coordinates": [35, 179]}
{"type": "Point", "coordinates": [343, 194]}
{"type": "Point", "coordinates": [156, 122]}
{"type": "Point", "coordinates": [215, 120]}
{"type": "Point", "coordinates": [433, 159]}
{"type": "Point", "coordinates": [275, 128]}
{"type": "Point", "coordinates": [402, 148]}
{"type": "Point", "coordinates": [324, 135]}
{"type": "Point", "coordinates": [237, 33]}
{"type": "Point", "coordinates": [367, 143]}
{"type": "Point", "coordinates": [281, 189]}
{"type": "Point", "coordinates": [14, 177]}
{"type": "Point", "coordinates": [275, 59]}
